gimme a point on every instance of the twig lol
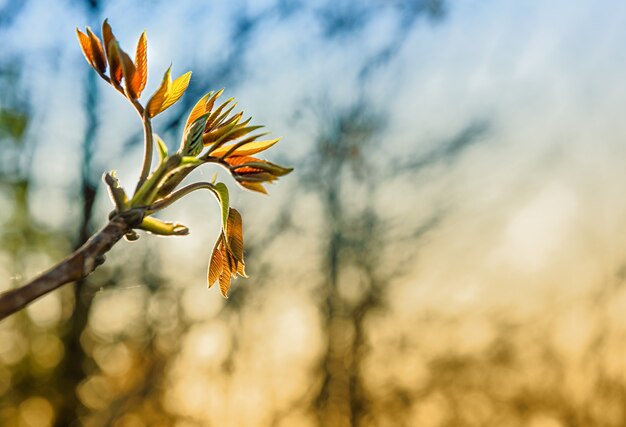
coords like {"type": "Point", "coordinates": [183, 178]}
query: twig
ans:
{"type": "Point", "coordinates": [76, 266]}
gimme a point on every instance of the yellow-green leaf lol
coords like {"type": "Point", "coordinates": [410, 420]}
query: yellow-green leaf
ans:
{"type": "Point", "coordinates": [154, 104]}
{"type": "Point", "coordinates": [197, 110]}
{"type": "Point", "coordinates": [247, 149]}
{"type": "Point", "coordinates": [178, 88]}
{"type": "Point", "coordinates": [254, 186]}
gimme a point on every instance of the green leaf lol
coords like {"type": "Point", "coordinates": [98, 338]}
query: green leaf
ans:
{"type": "Point", "coordinates": [191, 144]}
{"type": "Point", "coordinates": [222, 194]}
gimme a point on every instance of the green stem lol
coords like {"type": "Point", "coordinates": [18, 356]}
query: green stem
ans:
{"type": "Point", "coordinates": [168, 200]}
{"type": "Point", "coordinates": [148, 189]}
{"type": "Point", "coordinates": [147, 155]}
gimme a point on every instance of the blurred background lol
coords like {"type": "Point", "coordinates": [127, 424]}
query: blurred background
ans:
{"type": "Point", "coordinates": [449, 251]}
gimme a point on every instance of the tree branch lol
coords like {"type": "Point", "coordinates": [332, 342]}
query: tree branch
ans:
{"type": "Point", "coordinates": [76, 266]}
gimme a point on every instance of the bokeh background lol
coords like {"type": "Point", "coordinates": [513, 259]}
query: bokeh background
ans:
{"type": "Point", "coordinates": [450, 250]}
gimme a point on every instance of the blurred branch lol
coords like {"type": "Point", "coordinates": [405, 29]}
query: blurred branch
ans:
{"type": "Point", "coordinates": [76, 266]}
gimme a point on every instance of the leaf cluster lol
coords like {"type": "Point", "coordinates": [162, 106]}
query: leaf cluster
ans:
{"type": "Point", "coordinates": [212, 134]}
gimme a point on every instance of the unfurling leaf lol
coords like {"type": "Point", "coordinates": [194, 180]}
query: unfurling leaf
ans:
{"type": "Point", "coordinates": [217, 117]}
{"type": "Point", "coordinates": [116, 192]}
{"type": "Point", "coordinates": [163, 228]}
{"type": "Point", "coordinates": [234, 233]}
{"type": "Point", "coordinates": [141, 65]}
{"type": "Point", "coordinates": [213, 136]}
{"type": "Point", "coordinates": [161, 147]}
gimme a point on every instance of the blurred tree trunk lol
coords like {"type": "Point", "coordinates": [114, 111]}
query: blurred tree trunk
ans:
{"type": "Point", "coordinates": [342, 400]}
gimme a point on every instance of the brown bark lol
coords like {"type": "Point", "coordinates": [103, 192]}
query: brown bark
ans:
{"type": "Point", "coordinates": [76, 266]}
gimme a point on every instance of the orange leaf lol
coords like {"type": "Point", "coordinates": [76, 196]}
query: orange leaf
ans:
{"type": "Point", "coordinates": [215, 266]}
{"type": "Point", "coordinates": [107, 34]}
{"type": "Point", "coordinates": [234, 231]}
{"type": "Point", "coordinates": [85, 46]}
{"type": "Point", "coordinates": [141, 65]}
{"type": "Point", "coordinates": [129, 71]}
{"type": "Point", "coordinates": [111, 49]}
{"type": "Point", "coordinates": [115, 63]}
{"type": "Point", "coordinates": [225, 276]}
{"type": "Point", "coordinates": [240, 160]}
{"type": "Point", "coordinates": [100, 61]}
{"type": "Point", "coordinates": [241, 269]}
